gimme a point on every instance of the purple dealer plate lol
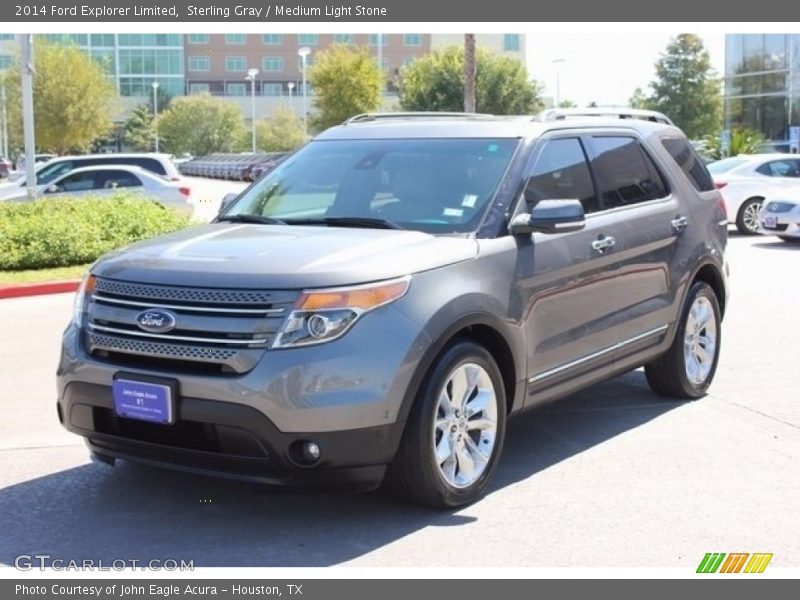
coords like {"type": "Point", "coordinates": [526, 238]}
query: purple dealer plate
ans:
{"type": "Point", "coordinates": [143, 401]}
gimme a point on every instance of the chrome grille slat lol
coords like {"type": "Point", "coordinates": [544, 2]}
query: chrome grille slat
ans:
{"type": "Point", "coordinates": [231, 328]}
{"type": "Point", "coordinates": [221, 310]}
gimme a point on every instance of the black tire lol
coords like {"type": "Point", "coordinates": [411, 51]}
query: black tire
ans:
{"type": "Point", "coordinates": [415, 474]}
{"type": "Point", "coordinates": [668, 376]}
{"type": "Point", "coordinates": [741, 225]}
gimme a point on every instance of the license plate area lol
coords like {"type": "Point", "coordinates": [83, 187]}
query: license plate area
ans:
{"type": "Point", "coordinates": [145, 398]}
{"type": "Point", "coordinates": [770, 222]}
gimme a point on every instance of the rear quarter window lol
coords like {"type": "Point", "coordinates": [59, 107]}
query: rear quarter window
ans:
{"type": "Point", "coordinates": [686, 158]}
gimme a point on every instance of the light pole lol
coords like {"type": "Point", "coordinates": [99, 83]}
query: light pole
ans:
{"type": "Point", "coordinates": [290, 87]}
{"type": "Point", "coordinates": [155, 110]}
{"type": "Point", "coordinates": [251, 77]}
{"type": "Point", "coordinates": [4, 117]}
{"type": "Point", "coordinates": [558, 62]}
{"type": "Point", "coordinates": [303, 54]}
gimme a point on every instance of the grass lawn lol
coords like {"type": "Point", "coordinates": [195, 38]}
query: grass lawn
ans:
{"type": "Point", "coordinates": [37, 275]}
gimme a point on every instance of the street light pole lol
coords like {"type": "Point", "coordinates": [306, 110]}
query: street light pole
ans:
{"type": "Point", "coordinates": [5, 119]}
{"type": "Point", "coordinates": [303, 54]}
{"type": "Point", "coordinates": [155, 110]}
{"type": "Point", "coordinates": [558, 62]}
{"type": "Point", "coordinates": [27, 115]}
{"type": "Point", "coordinates": [251, 77]}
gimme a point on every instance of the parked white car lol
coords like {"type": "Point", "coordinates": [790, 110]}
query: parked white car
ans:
{"type": "Point", "coordinates": [747, 179]}
{"type": "Point", "coordinates": [105, 180]}
{"type": "Point", "coordinates": [780, 215]}
{"type": "Point", "coordinates": [46, 173]}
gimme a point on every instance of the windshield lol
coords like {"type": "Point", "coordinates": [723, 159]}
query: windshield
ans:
{"type": "Point", "coordinates": [432, 185]}
{"type": "Point", "coordinates": [725, 165]}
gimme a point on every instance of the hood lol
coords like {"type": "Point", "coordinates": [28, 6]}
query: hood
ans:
{"type": "Point", "coordinates": [282, 257]}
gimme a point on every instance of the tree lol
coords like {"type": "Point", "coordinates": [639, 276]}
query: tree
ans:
{"type": "Point", "coordinates": [139, 131]}
{"type": "Point", "coordinates": [201, 125]}
{"type": "Point", "coordinates": [347, 81]}
{"type": "Point", "coordinates": [281, 131]}
{"type": "Point", "coordinates": [686, 88]}
{"type": "Point", "coordinates": [567, 104]}
{"type": "Point", "coordinates": [639, 99]}
{"type": "Point", "coordinates": [74, 101]}
{"type": "Point", "coordinates": [743, 141]}
{"type": "Point", "coordinates": [435, 82]}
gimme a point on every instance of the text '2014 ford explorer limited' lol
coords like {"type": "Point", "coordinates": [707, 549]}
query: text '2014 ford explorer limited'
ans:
{"type": "Point", "coordinates": [378, 305]}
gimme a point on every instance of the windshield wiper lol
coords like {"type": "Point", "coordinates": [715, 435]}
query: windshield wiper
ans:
{"type": "Point", "coordinates": [247, 218]}
{"type": "Point", "coordinates": [365, 222]}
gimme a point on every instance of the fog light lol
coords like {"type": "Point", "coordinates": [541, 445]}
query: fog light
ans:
{"type": "Point", "coordinates": [311, 451]}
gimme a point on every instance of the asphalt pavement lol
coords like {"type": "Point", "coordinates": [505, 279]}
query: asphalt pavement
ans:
{"type": "Point", "coordinates": [612, 476]}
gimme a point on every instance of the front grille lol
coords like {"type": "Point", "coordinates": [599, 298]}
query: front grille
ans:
{"type": "Point", "coordinates": [227, 328]}
{"type": "Point", "coordinates": [779, 207]}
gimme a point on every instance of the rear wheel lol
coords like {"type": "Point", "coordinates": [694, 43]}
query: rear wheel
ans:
{"type": "Point", "coordinates": [747, 219]}
{"type": "Point", "coordinates": [455, 431]}
{"type": "Point", "coordinates": [688, 367]}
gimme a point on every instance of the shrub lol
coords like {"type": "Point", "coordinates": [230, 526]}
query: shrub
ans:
{"type": "Point", "coordinates": [64, 232]}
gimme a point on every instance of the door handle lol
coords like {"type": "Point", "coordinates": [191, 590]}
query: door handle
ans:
{"type": "Point", "coordinates": [603, 243]}
{"type": "Point", "coordinates": [679, 223]}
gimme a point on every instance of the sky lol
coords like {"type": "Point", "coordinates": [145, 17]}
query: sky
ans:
{"type": "Point", "coordinates": [604, 68]}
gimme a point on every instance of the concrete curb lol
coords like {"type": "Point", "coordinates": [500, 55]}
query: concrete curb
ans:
{"type": "Point", "coordinates": [36, 289]}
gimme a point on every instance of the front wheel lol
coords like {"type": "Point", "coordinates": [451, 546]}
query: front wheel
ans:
{"type": "Point", "coordinates": [747, 219]}
{"type": "Point", "coordinates": [455, 431]}
{"type": "Point", "coordinates": [688, 367]}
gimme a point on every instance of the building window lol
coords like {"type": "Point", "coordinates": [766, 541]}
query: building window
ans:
{"type": "Point", "coordinates": [197, 38]}
{"type": "Point", "coordinates": [236, 89]}
{"type": "Point", "coordinates": [149, 61]}
{"type": "Point", "coordinates": [6, 37]}
{"type": "Point", "coordinates": [307, 39]}
{"type": "Point", "coordinates": [272, 39]}
{"type": "Point", "coordinates": [412, 39]}
{"type": "Point", "coordinates": [235, 63]}
{"type": "Point", "coordinates": [199, 88]}
{"type": "Point", "coordinates": [373, 39]}
{"type": "Point", "coordinates": [272, 89]}
{"type": "Point", "coordinates": [199, 63]}
{"type": "Point", "coordinates": [309, 62]}
{"type": "Point", "coordinates": [511, 42]}
{"type": "Point", "coordinates": [408, 60]}
{"type": "Point", "coordinates": [273, 64]}
{"type": "Point", "coordinates": [6, 61]}
{"type": "Point", "coordinates": [235, 39]}
{"type": "Point", "coordinates": [343, 38]}
{"type": "Point", "coordinates": [104, 40]}
{"type": "Point", "coordinates": [150, 39]}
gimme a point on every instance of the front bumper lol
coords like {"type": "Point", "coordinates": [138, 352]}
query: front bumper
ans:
{"type": "Point", "coordinates": [228, 440]}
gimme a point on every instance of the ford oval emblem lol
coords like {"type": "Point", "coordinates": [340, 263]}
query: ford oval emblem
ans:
{"type": "Point", "coordinates": [156, 320]}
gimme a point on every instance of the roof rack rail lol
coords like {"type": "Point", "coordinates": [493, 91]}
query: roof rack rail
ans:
{"type": "Point", "coordinates": [412, 115]}
{"type": "Point", "coordinates": [559, 114]}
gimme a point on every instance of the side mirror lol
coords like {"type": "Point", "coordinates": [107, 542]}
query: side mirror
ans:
{"type": "Point", "coordinates": [550, 216]}
{"type": "Point", "coordinates": [227, 200]}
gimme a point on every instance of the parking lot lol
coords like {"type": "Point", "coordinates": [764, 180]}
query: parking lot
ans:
{"type": "Point", "coordinates": [612, 476]}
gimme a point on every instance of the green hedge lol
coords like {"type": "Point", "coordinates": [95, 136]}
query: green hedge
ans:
{"type": "Point", "coordinates": [63, 232]}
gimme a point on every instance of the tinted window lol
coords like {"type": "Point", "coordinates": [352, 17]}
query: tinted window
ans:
{"type": "Point", "coordinates": [683, 154]}
{"type": "Point", "coordinates": [50, 171]}
{"type": "Point", "coordinates": [626, 175]}
{"type": "Point", "coordinates": [109, 180]}
{"type": "Point", "coordinates": [780, 168]}
{"type": "Point", "coordinates": [77, 182]}
{"type": "Point", "coordinates": [562, 173]}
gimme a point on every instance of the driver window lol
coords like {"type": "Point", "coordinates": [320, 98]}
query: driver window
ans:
{"type": "Point", "coordinates": [561, 172]}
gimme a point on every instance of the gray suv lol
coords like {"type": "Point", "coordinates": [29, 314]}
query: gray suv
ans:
{"type": "Point", "coordinates": [376, 307]}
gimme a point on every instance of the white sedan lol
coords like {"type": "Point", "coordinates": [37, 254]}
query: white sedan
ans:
{"type": "Point", "coordinates": [780, 215]}
{"type": "Point", "coordinates": [745, 180]}
{"type": "Point", "coordinates": [106, 179]}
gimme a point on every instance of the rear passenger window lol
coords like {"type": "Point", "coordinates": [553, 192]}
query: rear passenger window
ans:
{"type": "Point", "coordinates": [561, 172]}
{"type": "Point", "coordinates": [682, 153]}
{"type": "Point", "coordinates": [626, 175]}
{"type": "Point", "coordinates": [780, 168]}
{"type": "Point", "coordinates": [151, 164]}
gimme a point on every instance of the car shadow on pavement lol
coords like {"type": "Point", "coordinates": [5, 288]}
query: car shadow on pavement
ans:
{"type": "Point", "coordinates": [134, 512]}
{"type": "Point", "coordinates": [779, 245]}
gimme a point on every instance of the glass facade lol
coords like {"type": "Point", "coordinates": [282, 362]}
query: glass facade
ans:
{"type": "Point", "coordinates": [134, 60]}
{"type": "Point", "coordinates": [762, 84]}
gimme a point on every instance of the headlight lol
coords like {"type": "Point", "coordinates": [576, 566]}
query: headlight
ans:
{"type": "Point", "coordinates": [85, 290]}
{"type": "Point", "coordinates": [323, 315]}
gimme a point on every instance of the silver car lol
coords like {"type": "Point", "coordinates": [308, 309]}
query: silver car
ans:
{"type": "Point", "coordinates": [376, 307]}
